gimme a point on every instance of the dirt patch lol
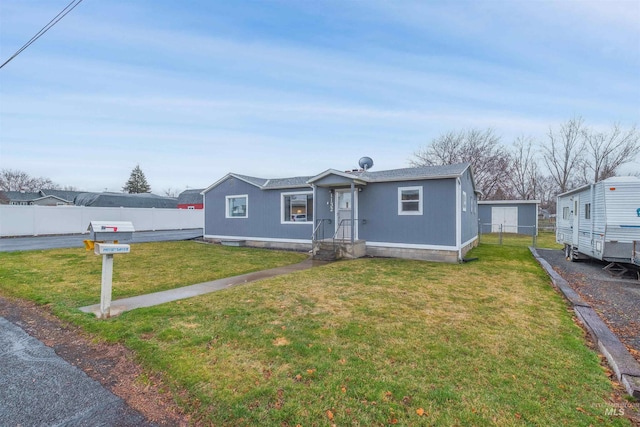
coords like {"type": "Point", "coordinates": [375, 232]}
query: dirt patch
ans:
{"type": "Point", "coordinates": [112, 365]}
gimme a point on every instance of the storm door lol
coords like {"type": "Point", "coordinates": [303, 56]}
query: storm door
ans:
{"type": "Point", "coordinates": [344, 222]}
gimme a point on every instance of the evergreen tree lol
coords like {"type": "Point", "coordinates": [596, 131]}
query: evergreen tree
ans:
{"type": "Point", "coordinates": [137, 182]}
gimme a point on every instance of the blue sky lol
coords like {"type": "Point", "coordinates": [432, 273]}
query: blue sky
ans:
{"type": "Point", "coordinates": [191, 90]}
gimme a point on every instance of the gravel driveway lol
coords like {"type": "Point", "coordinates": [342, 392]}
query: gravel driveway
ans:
{"type": "Point", "coordinates": [616, 300]}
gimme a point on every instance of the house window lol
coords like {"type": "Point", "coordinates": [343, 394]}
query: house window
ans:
{"type": "Point", "coordinates": [410, 201]}
{"type": "Point", "coordinates": [587, 211]}
{"type": "Point", "coordinates": [237, 206]}
{"type": "Point", "coordinates": [464, 201]}
{"type": "Point", "coordinates": [297, 207]}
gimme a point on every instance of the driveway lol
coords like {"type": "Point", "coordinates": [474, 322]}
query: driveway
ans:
{"type": "Point", "coordinates": [8, 244]}
{"type": "Point", "coordinates": [616, 300]}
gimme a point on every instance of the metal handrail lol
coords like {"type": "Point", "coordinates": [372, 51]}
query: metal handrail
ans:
{"type": "Point", "coordinates": [314, 236]}
{"type": "Point", "coordinates": [341, 228]}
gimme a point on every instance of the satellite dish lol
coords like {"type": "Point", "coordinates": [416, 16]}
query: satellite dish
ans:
{"type": "Point", "coordinates": [366, 163]}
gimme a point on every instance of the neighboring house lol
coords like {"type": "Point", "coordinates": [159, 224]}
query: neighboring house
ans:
{"type": "Point", "coordinates": [191, 199]}
{"type": "Point", "coordinates": [125, 200]}
{"type": "Point", "coordinates": [420, 213]}
{"type": "Point", "coordinates": [40, 198]}
{"type": "Point", "coordinates": [509, 216]}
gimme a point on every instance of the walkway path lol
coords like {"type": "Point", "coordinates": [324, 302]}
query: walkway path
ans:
{"type": "Point", "coordinates": [148, 300]}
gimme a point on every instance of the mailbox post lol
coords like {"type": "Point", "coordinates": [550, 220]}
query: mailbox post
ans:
{"type": "Point", "coordinates": [105, 237]}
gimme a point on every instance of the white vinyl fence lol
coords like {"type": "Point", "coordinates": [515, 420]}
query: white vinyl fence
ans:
{"type": "Point", "coordinates": [44, 220]}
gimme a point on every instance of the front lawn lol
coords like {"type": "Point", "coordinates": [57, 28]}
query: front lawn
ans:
{"type": "Point", "coordinates": [363, 342]}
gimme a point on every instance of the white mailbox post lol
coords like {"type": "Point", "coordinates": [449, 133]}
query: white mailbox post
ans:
{"type": "Point", "coordinates": [105, 236]}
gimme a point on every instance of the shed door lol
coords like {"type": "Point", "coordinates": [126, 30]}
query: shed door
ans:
{"type": "Point", "coordinates": [504, 216]}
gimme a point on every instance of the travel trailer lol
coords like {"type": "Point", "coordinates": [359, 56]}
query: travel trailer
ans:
{"type": "Point", "coordinates": [601, 221]}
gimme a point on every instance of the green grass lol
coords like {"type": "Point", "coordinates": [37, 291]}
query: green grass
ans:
{"type": "Point", "coordinates": [544, 239]}
{"type": "Point", "coordinates": [362, 342]}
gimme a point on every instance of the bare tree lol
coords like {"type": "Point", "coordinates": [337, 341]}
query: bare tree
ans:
{"type": "Point", "coordinates": [16, 180]}
{"type": "Point", "coordinates": [171, 192]}
{"type": "Point", "coordinates": [564, 153]}
{"type": "Point", "coordinates": [480, 148]}
{"type": "Point", "coordinates": [607, 151]}
{"type": "Point", "coordinates": [524, 174]}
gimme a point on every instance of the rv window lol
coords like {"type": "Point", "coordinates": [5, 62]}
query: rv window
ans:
{"type": "Point", "coordinates": [587, 211]}
{"type": "Point", "coordinates": [565, 212]}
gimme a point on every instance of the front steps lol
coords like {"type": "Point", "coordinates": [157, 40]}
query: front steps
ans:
{"type": "Point", "coordinates": [331, 250]}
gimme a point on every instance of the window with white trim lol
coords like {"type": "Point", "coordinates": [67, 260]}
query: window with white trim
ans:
{"type": "Point", "coordinates": [237, 206]}
{"type": "Point", "coordinates": [297, 208]}
{"type": "Point", "coordinates": [410, 201]}
{"type": "Point", "coordinates": [464, 201]}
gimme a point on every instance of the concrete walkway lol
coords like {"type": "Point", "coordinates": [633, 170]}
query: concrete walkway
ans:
{"type": "Point", "coordinates": [157, 298]}
{"type": "Point", "coordinates": [39, 388]}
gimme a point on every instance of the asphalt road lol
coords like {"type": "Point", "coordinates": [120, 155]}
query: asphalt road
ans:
{"type": "Point", "coordinates": [39, 388]}
{"type": "Point", "coordinates": [10, 244]}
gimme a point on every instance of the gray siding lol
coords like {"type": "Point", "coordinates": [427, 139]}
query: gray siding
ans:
{"type": "Point", "coordinates": [378, 206]}
{"type": "Point", "coordinates": [527, 216]}
{"type": "Point", "coordinates": [264, 210]}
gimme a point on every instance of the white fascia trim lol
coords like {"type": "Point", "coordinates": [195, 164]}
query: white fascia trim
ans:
{"type": "Point", "coordinates": [459, 217]}
{"type": "Point", "coordinates": [259, 239]}
{"type": "Point", "coordinates": [468, 242]}
{"type": "Point", "coordinates": [508, 202]}
{"type": "Point", "coordinates": [331, 172]}
{"type": "Point", "coordinates": [224, 178]}
{"type": "Point", "coordinates": [413, 178]}
{"type": "Point", "coordinates": [411, 246]}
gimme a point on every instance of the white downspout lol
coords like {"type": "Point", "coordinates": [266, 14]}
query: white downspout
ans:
{"type": "Point", "coordinates": [315, 212]}
{"type": "Point", "coordinates": [459, 218]}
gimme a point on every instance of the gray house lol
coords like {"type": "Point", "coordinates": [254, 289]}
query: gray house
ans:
{"type": "Point", "coordinates": [509, 216]}
{"type": "Point", "coordinates": [39, 198]}
{"type": "Point", "coordinates": [425, 213]}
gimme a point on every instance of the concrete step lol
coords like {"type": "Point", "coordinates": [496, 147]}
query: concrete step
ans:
{"type": "Point", "coordinates": [325, 254]}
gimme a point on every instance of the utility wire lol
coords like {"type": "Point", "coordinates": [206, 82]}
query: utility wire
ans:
{"type": "Point", "coordinates": [46, 28]}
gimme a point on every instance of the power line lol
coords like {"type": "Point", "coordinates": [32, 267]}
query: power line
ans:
{"type": "Point", "coordinates": [44, 29]}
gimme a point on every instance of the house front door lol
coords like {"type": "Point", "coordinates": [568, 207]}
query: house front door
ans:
{"type": "Point", "coordinates": [344, 222]}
